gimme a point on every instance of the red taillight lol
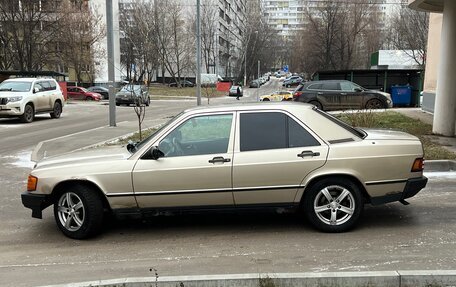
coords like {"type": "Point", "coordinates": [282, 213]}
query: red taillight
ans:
{"type": "Point", "coordinates": [31, 183]}
{"type": "Point", "coordinates": [295, 95]}
{"type": "Point", "coordinates": [418, 165]}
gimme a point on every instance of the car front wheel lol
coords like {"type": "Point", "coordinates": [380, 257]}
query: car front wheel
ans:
{"type": "Point", "coordinates": [78, 212]}
{"type": "Point", "coordinates": [333, 204]}
{"type": "Point", "coordinates": [28, 115]}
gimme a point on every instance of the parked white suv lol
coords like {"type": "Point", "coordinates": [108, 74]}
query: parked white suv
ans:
{"type": "Point", "coordinates": [25, 97]}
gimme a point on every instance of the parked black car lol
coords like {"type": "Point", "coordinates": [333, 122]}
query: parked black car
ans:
{"type": "Point", "coordinates": [133, 94]}
{"type": "Point", "coordinates": [101, 90]}
{"type": "Point", "coordinates": [341, 94]}
{"type": "Point", "coordinates": [183, 83]}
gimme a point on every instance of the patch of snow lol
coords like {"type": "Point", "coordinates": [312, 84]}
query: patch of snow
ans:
{"type": "Point", "coordinates": [22, 159]}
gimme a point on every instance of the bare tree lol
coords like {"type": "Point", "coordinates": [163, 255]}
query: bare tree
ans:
{"type": "Point", "coordinates": [338, 35]}
{"type": "Point", "coordinates": [82, 28]}
{"type": "Point", "coordinates": [139, 51]}
{"type": "Point", "coordinates": [408, 32]}
{"type": "Point", "coordinates": [29, 31]}
{"type": "Point", "coordinates": [259, 43]}
{"type": "Point", "coordinates": [174, 43]}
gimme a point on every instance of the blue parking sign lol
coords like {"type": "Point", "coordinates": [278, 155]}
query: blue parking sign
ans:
{"type": "Point", "coordinates": [285, 68]}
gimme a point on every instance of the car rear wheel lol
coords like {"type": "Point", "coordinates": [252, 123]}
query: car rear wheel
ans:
{"type": "Point", "coordinates": [317, 104]}
{"type": "Point", "coordinates": [374, 104]}
{"type": "Point", "coordinates": [57, 110]}
{"type": "Point", "coordinates": [333, 204]}
{"type": "Point", "coordinates": [28, 115]}
{"type": "Point", "coordinates": [79, 212]}
{"type": "Point", "coordinates": [89, 98]}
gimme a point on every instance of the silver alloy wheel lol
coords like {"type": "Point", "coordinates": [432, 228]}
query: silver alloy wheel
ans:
{"type": "Point", "coordinates": [334, 205]}
{"type": "Point", "coordinates": [71, 211]}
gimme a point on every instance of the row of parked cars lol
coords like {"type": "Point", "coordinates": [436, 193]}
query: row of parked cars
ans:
{"type": "Point", "coordinates": [260, 81]}
{"type": "Point", "coordinates": [25, 97]}
{"type": "Point", "coordinates": [128, 94]}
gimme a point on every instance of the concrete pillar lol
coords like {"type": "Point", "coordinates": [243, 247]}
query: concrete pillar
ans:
{"type": "Point", "coordinates": [445, 102]}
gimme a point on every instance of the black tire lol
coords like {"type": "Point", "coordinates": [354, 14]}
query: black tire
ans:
{"type": "Point", "coordinates": [117, 104]}
{"type": "Point", "coordinates": [78, 212]}
{"type": "Point", "coordinates": [28, 115]}
{"type": "Point", "coordinates": [317, 104]}
{"type": "Point", "coordinates": [57, 110]}
{"type": "Point", "coordinates": [147, 102]}
{"type": "Point", "coordinates": [333, 204]}
{"type": "Point", "coordinates": [375, 104]}
{"type": "Point", "coordinates": [89, 99]}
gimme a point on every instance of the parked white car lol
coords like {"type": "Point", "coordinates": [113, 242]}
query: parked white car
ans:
{"type": "Point", "coordinates": [26, 97]}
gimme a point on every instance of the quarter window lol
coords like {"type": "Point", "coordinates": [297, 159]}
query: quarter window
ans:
{"type": "Point", "coordinates": [263, 131]}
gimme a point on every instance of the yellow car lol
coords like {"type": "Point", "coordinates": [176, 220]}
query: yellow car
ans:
{"type": "Point", "coordinates": [277, 96]}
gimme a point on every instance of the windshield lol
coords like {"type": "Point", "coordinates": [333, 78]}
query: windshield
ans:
{"type": "Point", "coordinates": [130, 88]}
{"type": "Point", "coordinates": [139, 145]}
{"type": "Point", "coordinates": [15, 86]}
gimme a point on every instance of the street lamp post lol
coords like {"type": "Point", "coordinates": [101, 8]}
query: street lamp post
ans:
{"type": "Point", "coordinates": [258, 89]}
{"type": "Point", "coordinates": [198, 54]}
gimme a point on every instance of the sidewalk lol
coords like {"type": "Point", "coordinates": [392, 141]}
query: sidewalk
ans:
{"type": "Point", "coordinates": [89, 138]}
{"type": "Point", "coordinates": [409, 278]}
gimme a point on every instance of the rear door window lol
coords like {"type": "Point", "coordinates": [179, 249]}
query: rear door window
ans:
{"type": "Point", "coordinates": [272, 130]}
{"type": "Point", "coordinates": [331, 87]}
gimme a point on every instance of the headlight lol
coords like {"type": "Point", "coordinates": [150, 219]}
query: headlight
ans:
{"type": "Point", "coordinates": [14, 99]}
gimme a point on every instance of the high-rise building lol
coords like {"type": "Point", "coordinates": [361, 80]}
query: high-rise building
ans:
{"type": "Point", "coordinates": [227, 27]}
{"type": "Point", "coordinates": [289, 16]}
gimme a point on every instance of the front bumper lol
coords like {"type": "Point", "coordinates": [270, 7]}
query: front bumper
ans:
{"type": "Point", "coordinates": [36, 202]}
{"type": "Point", "coordinates": [412, 187]}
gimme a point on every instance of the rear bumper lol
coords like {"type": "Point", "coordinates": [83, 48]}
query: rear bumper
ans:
{"type": "Point", "coordinates": [36, 202]}
{"type": "Point", "coordinates": [412, 187]}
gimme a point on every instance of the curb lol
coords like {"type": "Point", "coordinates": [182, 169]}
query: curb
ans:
{"type": "Point", "coordinates": [413, 278]}
{"type": "Point", "coordinates": [439, 165]}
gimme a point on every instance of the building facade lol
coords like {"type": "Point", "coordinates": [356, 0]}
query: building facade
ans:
{"type": "Point", "coordinates": [289, 16]}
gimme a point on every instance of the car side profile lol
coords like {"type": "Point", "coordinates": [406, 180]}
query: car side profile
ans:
{"type": "Point", "coordinates": [80, 93]}
{"type": "Point", "coordinates": [100, 90]}
{"type": "Point", "coordinates": [133, 95]}
{"type": "Point", "coordinates": [340, 94]}
{"type": "Point", "coordinates": [292, 81]}
{"type": "Point", "coordinates": [277, 96]}
{"type": "Point", "coordinates": [26, 97]}
{"type": "Point", "coordinates": [277, 156]}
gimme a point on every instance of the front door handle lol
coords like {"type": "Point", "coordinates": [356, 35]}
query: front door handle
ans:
{"type": "Point", "coordinates": [308, 153]}
{"type": "Point", "coordinates": [220, 159]}
{"type": "Point", "coordinates": [343, 94]}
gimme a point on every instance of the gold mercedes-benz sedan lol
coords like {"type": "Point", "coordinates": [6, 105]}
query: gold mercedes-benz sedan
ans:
{"type": "Point", "coordinates": [237, 157]}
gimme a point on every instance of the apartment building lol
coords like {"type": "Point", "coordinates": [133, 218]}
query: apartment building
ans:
{"type": "Point", "coordinates": [228, 32]}
{"type": "Point", "coordinates": [289, 16]}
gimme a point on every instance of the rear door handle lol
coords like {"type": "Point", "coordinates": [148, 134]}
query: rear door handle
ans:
{"type": "Point", "coordinates": [220, 159]}
{"type": "Point", "coordinates": [308, 153]}
{"type": "Point", "coordinates": [343, 94]}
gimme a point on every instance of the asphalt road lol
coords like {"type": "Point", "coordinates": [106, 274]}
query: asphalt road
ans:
{"type": "Point", "coordinates": [34, 252]}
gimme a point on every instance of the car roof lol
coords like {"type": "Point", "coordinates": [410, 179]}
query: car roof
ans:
{"type": "Point", "coordinates": [27, 79]}
{"type": "Point", "coordinates": [249, 106]}
{"type": "Point", "coordinates": [328, 81]}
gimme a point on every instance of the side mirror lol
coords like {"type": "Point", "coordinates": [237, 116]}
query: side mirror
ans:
{"type": "Point", "coordinates": [155, 153]}
{"type": "Point", "coordinates": [36, 90]}
{"type": "Point", "coordinates": [358, 90]}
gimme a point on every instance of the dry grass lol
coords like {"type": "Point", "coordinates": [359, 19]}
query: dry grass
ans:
{"type": "Point", "coordinates": [397, 121]}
